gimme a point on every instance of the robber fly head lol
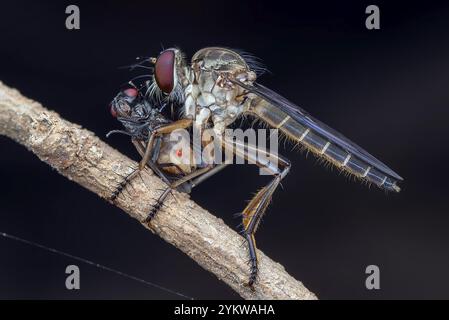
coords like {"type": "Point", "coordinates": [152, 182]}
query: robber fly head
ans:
{"type": "Point", "coordinates": [136, 114]}
{"type": "Point", "coordinates": [168, 75]}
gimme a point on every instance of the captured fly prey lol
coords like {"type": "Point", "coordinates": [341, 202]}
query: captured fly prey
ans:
{"type": "Point", "coordinates": [149, 131]}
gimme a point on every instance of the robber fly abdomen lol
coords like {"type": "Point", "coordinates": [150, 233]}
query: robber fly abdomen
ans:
{"type": "Point", "coordinates": [320, 146]}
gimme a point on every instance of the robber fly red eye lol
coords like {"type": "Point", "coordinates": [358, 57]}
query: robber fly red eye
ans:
{"type": "Point", "coordinates": [130, 92]}
{"type": "Point", "coordinates": [164, 71]}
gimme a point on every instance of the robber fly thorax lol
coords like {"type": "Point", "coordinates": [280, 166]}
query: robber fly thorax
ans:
{"type": "Point", "coordinates": [204, 87]}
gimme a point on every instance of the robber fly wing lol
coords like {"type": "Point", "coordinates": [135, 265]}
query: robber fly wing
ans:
{"type": "Point", "coordinates": [311, 124]}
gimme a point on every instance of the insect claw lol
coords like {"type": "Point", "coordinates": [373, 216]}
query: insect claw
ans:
{"type": "Point", "coordinates": [156, 207]}
{"type": "Point", "coordinates": [151, 214]}
{"type": "Point", "coordinates": [254, 273]}
{"type": "Point", "coordinates": [250, 285]}
{"type": "Point", "coordinates": [242, 243]}
{"type": "Point", "coordinates": [118, 190]}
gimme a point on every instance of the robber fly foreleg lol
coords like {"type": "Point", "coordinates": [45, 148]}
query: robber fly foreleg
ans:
{"type": "Point", "coordinates": [147, 151]}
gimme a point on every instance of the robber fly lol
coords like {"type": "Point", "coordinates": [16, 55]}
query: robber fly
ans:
{"type": "Point", "coordinates": [219, 86]}
{"type": "Point", "coordinates": [150, 133]}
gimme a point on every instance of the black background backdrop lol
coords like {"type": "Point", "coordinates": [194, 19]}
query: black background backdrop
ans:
{"type": "Point", "coordinates": [386, 89]}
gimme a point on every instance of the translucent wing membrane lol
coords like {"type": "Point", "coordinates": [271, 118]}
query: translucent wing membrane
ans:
{"type": "Point", "coordinates": [320, 138]}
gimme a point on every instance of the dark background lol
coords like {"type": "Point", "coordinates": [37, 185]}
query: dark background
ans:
{"type": "Point", "coordinates": [385, 89]}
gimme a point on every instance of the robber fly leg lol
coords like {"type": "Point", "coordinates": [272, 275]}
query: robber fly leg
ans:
{"type": "Point", "coordinates": [207, 175]}
{"type": "Point", "coordinates": [123, 184]}
{"type": "Point", "coordinates": [135, 172]}
{"type": "Point", "coordinates": [252, 216]}
{"type": "Point", "coordinates": [157, 206]}
{"type": "Point", "coordinates": [194, 179]}
{"type": "Point", "coordinates": [172, 186]}
{"type": "Point", "coordinates": [255, 209]}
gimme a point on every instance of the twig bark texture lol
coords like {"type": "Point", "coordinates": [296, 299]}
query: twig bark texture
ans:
{"type": "Point", "coordinates": [82, 157]}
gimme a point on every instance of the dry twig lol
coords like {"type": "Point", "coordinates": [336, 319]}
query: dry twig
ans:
{"type": "Point", "coordinates": [82, 157]}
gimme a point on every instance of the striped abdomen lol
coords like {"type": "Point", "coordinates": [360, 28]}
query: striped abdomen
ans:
{"type": "Point", "coordinates": [321, 146]}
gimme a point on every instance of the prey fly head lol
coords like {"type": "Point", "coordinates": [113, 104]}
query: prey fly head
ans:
{"type": "Point", "coordinates": [138, 115]}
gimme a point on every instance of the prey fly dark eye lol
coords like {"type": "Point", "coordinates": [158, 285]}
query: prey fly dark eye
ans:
{"type": "Point", "coordinates": [121, 105]}
{"type": "Point", "coordinates": [164, 71]}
